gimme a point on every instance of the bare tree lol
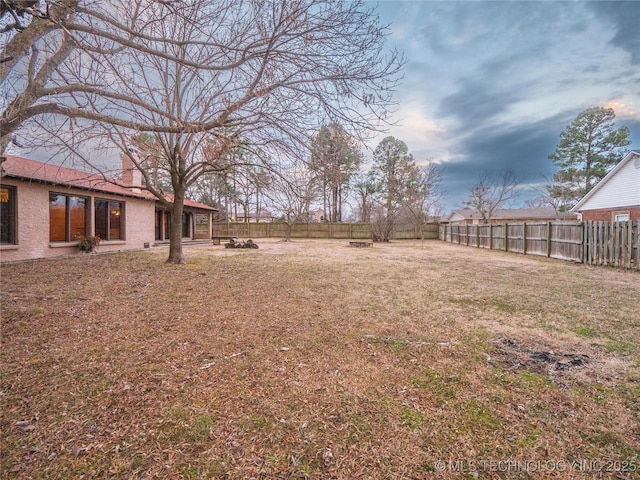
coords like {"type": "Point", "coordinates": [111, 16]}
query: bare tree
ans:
{"type": "Point", "coordinates": [334, 159]}
{"type": "Point", "coordinates": [209, 72]}
{"type": "Point", "coordinates": [422, 196]}
{"type": "Point", "coordinates": [291, 195]}
{"type": "Point", "coordinates": [492, 193]}
{"type": "Point", "coordinates": [365, 188]}
{"type": "Point", "coordinates": [543, 197]}
{"type": "Point", "coordinates": [58, 50]}
{"type": "Point", "coordinates": [247, 183]}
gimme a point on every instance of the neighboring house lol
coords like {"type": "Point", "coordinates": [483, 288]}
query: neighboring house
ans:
{"type": "Point", "coordinates": [264, 217]}
{"type": "Point", "coordinates": [315, 216]}
{"type": "Point", "coordinates": [616, 197]}
{"type": "Point", "coordinates": [45, 208]}
{"type": "Point", "coordinates": [507, 215]}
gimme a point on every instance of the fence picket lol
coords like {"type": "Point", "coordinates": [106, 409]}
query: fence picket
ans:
{"type": "Point", "coordinates": [615, 244]}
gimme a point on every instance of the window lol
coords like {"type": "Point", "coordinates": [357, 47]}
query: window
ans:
{"type": "Point", "coordinates": [621, 217]}
{"type": "Point", "coordinates": [159, 218]}
{"type": "Point", "coordinates": [186, 223]}
{"type": "Point", "coordinates": [67, 217]}
{"type": "Point", "coordinates": [167, 225]}
{"type": "Point", "coordinates": [109, 219]}
{"type": "Point", "coordinates": [7, 215]}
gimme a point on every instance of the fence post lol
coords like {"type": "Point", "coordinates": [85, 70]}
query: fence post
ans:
{"type": "Point", "coordinates": [549, 234]}
{"type": "Point", "coordinates": [583, 242]}
{"type": "Point", "coordinates": [597, 244]}
{"type": "Point", "coordinates": [637, 242]}
{"type": "Point", "coordinates": [524, 238]}
{"type": "Point", "coordinates": [593, 242]}
{"type": "Point", "coordinates": [491, 236]}
{"type": "Point", "coordinates": [601, 244]}
{"type": "Point", "coordinates": [628, 254]}
{"type": "Point", "coordinates": [506, 237]}
{"type": "Point", "coordinates": [620, 236]}
{"type": "Point", "coordinates": [585, 258]}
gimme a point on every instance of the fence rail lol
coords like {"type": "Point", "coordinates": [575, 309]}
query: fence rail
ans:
{"type": "Point", "coordinates": [354, 231]}
{"type": "Point", "coordinates": [596, 243]}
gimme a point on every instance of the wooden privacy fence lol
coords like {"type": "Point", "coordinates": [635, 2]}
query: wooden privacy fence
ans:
{"type": "Point", "coordinates": [314, 230]}
{"type": "Point", "coordinates": [596, 243]}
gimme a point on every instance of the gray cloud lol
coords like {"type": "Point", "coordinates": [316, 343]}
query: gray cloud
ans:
{"type": "Point", "coordinates": [625, 18]}
{"type": "Point", "coordinates": [477, 101]}
{"type": "Point", "coordinates": [524, 149]}
{"type": "Point", "coordinates": [502, 80]}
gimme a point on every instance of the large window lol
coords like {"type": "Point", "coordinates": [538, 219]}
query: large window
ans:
{"type": "Point", "coordinates": [186, 224]}
{"type": "Point", "coordinates": [167, 225]}
{"type": "Point", "coordinates": [109, 219]}
{"type": "Point", "coordinates": [67, 217]}
{"type": "Point", "coordinates": [159, 218]}
{"type": "Point", "coordinates": [7, 214]}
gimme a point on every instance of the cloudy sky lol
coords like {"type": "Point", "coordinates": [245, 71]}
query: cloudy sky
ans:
{"type": "Point", "coordinates": [490, 85]}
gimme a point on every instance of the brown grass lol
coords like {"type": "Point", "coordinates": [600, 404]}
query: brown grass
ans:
{"type": "Point", "coordinates": [315, 360]}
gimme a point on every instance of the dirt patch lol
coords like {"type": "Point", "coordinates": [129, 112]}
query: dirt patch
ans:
{"type": "Point", "coordinates": [564, 364]}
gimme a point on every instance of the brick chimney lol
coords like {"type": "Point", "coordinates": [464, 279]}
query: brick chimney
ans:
{"type": "Point", "coordinates": [131, 176]}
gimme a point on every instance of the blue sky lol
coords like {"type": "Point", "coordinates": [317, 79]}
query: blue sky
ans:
{"type": "Point", "coordinates": [490, 85]}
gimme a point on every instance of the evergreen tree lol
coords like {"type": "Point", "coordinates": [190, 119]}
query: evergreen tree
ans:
{"type": "Point", "coordinates": [588, 149]}
{"type": "Point", "coordinates": [334, 160]}
{"type": "Point", "coordinates": [394, 169]}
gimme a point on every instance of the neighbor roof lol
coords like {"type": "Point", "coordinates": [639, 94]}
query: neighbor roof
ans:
{"type": "Point", "coordinates": [32, 170]}
{"type": "Point", "coordinates": [510, 213]}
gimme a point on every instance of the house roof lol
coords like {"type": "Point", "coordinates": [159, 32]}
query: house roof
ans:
{"type": "Point", "coordinates": [633, 154]}
{"type": "Point", "coordinates": [32, 170]}
{"type": "Point", "coordinates": [508, 213]}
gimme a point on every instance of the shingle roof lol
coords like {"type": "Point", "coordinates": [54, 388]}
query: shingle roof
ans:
{"type": "Point", "coordinates": [32, 170]}
{"type": "Point", "coordinates": [512, 213]}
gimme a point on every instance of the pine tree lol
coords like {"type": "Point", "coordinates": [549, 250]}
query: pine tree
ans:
{"type": "Point", "coordinates": [588, 149]}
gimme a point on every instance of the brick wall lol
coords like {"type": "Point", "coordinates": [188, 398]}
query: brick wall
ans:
{"type": "Point", "coordinates": [32, 219]}
{"type": "Point", "coordinates": [608, 214]}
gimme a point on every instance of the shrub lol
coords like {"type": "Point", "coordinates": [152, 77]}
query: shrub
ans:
{"type": "Point", "coordinates": [88, 244]}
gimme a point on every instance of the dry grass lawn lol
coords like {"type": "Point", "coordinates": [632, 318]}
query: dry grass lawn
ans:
{"type": "Point", "coordinates": [312, 359]}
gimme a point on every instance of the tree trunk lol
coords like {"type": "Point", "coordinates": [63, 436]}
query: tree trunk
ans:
{"type": "Point", "coordinates": [334, 212]}
{"type": "Point", "coordinates": [288, 230]}
{"type": "Point", "coordinates": [324, 201]}
{"type": "Point", "coordinates": [175, 237]}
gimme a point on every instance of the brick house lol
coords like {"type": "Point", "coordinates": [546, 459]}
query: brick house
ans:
{"type": "Point", "coordinates": [617, 196]}
{"type": "Point", "coordinates": [507, 215]}
{"type": "Point", "coordinates": [45, 208]}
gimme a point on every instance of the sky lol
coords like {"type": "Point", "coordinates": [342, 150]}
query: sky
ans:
{"type": "Point", "coordinates": [490, 85]}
